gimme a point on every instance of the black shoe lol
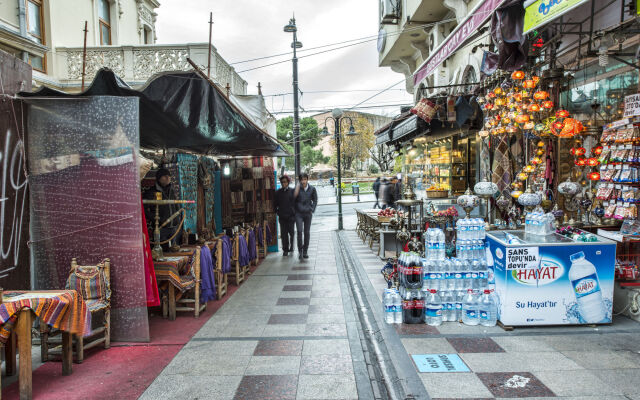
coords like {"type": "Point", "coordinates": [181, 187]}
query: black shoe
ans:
{"type": "Point", "coordinates": [299, 256]}
{"type": "Point", "coordinates": [305, 255]}
{"type": "Point", "coordinates": [291, 250]}
{"type": "Point", "coordinates": [286, 253]}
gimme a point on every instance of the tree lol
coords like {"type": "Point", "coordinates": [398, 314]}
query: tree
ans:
{"type": "Point", "coordinates": [309, 132]}
{"type": "Point", "coordinates": [309, 137]}
{"type": "Point", "coordinates": [355, 148]}
{"type": "Point", "coordinates": [382, 155]}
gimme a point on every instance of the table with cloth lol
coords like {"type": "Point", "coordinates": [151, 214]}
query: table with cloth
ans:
{"type": "Point", "coordinates": [173, 272]}
{"type": "Point", "coordinates": [62, 309]}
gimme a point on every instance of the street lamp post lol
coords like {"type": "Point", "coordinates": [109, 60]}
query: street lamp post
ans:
{"type": "Point", "coordinates": [291, 28]}
{"type": "Point", "coordinates": [337, 119]}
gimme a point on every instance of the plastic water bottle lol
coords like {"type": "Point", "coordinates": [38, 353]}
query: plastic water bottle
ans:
{"type": "Point", "coordinates": [442, 248]}
{"type": "Point", "coordinates": [470, 309]}
{"type": "Point", "coordinates": [431, 244]}
{"type": "Point", "coordinates": [450, 302]}
{"type": "Point", "coordinates": [397, 307]}
{"type": "Point", "coordinates": [459, 296]}
{"type": "Point", "coordinates": [483, 230]}
{"type": "Point", "coordinates": [488, 310]}
{"type": "Point", "coordinates": [483, 273]}
{"type": "Point", "coordinates": [387, 306]}
{"type": "Point", "coordinates": [586, 288]}
{"type": "Point", "coordinates": [457, 267]}
{"type": "Point", "coordinates": [433, 312]}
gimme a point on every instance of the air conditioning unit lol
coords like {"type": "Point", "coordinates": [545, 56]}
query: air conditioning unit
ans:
{"type": "Point", "coordinates": [389, 11]}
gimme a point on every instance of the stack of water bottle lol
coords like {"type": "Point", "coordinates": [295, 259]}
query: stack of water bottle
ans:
{"type": "Point", "coordinates": [539, 223]}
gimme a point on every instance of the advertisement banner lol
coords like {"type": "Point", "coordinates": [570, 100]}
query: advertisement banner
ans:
{"type": "Point", "coordinates": [542, 11]}
{"type": "Point", "coordinates": [554, 285]}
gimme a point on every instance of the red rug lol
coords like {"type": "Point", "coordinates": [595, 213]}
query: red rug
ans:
{"type": "Point", "coordinates": [126, 369]}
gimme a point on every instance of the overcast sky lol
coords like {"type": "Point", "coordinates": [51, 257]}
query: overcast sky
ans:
{"type": "Point", "coordinates": [245, 29]}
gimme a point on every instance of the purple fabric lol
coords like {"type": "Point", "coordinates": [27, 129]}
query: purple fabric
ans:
{"type": "Point", "coordinates": [208, 282]}
{"type": "Point", "coordinates": [260, 237]}
{"type": "Point", "coordinates": [243, 251]}
{"type": "Point", "coordinates": [226, 254]}
{"type": "Point", "coordinates": [253, 254]}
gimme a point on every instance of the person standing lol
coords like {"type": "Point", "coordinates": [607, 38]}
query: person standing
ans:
{"type": "Point", "coordinates": [306, 200]}
{"type": "Point", "coordinates": [382, 193]}
{"type": "Point", "coordinates": [163, 190]}
{"type": "Point", "coordinates": [397, 193]}
{"type": "Point", "coordinates": [285, 208]}
{"type": "Point", "coordinates": [376, 188]}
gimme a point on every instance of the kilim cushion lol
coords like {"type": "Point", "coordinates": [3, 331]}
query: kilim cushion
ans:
{"type": "Point", "coordinates": [90, 283]}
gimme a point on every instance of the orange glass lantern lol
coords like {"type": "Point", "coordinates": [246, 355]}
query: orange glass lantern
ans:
{"type": "Point", "coordinates": [540, 95]}
{"type": "Point", "coordinates": [594, 176]}
{"type": "Point", "coordinates": [539, 152]}
{"type": "Point", "coordinates": [529, 169]}
{"type": "Point", "coordinates": [501, 130]}
{"type": "Point", "coordinates": [528, 84]}
{"type": "Point", "coordinates": [541, 144]}
{"type": "Point", "coordinates": [500, 101]}
{"type": "Point", "coordinates": [596, 151]}
{"type": "Point", "coordinates": [488, 106]}
{"type": "Point", "coordinates": [592, 162]}
{"type": "Point", "coordinates": [516, 193]}
{"type": "Point", "coordinates": [517, 75]}
{"type": "Point", "coordinates": [534, 107]}
{"type": "Point", "coordinates": [506, 120]}
{"type": "Point", "coordinates": [535, 79]}
{"type": "Point", "coordinates": [498, 90]}
{"type": "Point", "coordinates": [522, 118]}
{"type": "Point", "coordinates": [562, 114]}
{"type": "Point", "coordinates": [512, 129]}
{"type": "Point", "coordinates": [491, 95]}
{"type": "Point", "coordinates": [522, 176]}
{"type": "Point", "coordinates": [517, 97]}
{"type": "Point", "coordinates": [580, 162]}
{"type": "Point", "coordinates": [548, 104]}
{"type": "Point", "coordinates": [536, 161]}
{"type": "Point", "coordinates": [528, 125]}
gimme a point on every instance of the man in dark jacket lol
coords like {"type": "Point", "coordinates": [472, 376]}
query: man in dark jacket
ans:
{"type": "Point", "coordinates": [306, 199]}
{"type": "Point", "coordinates": [376, 189]}
{"type": "Point", "coordinates": [285, 208]}
{"type": "Point", "coordinates": [165, 190]}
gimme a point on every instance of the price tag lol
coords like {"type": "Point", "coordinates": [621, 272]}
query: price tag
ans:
{"type": "Point", "coordinates": [626, 187]}
{"type": "Point", "coordinates": [618, 186]}
{"type": "Point", "coordinates": [610, 166]}
{"type": "Point", "coordinates": [605, 203]}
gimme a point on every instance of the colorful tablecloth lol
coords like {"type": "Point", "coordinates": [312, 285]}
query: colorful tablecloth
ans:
{"type": "Point", "coordinates": [176, 270]}
{"type": "Point", "coordinates": [61, 309]}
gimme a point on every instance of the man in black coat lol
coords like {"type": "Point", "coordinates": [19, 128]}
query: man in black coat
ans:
{"type": "Point", "coordinates": [306, 199]}
{"type": "Point", "coordinates": [376, 189]}
{"type": "Point", "coordinates": [285, 208]}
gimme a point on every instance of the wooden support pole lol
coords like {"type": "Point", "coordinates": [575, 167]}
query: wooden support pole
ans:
{"type": "Point", "coordinates": [84, 54]}
{"type": "Point", "coordinates": [24, 349]}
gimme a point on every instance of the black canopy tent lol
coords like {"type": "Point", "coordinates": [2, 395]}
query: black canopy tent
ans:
{"type": "Point", "coordinates": [184, 111]}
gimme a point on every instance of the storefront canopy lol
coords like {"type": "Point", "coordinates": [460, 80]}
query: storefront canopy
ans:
{"type": "Point", "coordinates": [183, 110]}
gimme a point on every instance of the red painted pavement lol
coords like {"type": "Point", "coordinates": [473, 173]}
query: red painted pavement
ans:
{"type": "Point", "coordinates": [126, 369]}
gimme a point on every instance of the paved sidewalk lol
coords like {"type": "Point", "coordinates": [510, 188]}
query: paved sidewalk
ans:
{"type": "Point", "coordinates": [541, 362]}
{"type": "Point", "coordinates": [289, 332]}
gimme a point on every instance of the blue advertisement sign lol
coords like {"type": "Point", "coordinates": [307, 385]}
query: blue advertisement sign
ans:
{"type": "Point", "coordinates": [554, 284]}
{"type": "Point", "coordinates": [439, 363]}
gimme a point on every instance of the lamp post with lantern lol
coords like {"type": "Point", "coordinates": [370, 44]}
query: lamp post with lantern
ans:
{"type": "Point", "coordinates": [291, 28]}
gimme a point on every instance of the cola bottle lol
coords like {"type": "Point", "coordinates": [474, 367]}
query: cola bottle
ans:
{"type": "Point", "coordinates": [413, 307]}
{"type": "Point", "coordinates": [413, 272]}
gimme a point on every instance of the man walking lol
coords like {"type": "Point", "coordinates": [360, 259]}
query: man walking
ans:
{"type": "Point", "coordinates": [376, 189]}
{"type": "Point", "coordinates": [285, 208]}
{"type": "Point", "coordinates": [306, 200]}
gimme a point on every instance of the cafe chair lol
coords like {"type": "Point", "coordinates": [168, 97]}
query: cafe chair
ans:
{"type": "Point", "coordinates": [93, 283]}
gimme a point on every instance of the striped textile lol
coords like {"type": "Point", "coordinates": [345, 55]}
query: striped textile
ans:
{"type": "Point", "coordinates": [61, 309]}
{"type": "Point", "coordinates": [175, 270]}
{"type": "Point", "coordinates": [92, 285]}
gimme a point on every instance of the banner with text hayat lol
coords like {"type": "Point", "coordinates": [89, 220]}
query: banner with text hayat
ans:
{"type": "Point", "coordinates": [539, 12]}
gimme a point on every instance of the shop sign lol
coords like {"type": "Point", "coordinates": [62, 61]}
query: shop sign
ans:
{"type": "Point", "coordinates": [540, 12]}
{"type": "Point", "coordinates": [459, 35]}
{"type": "Point", "coordinates": [439, 363]}
{"type": "Point", "coordinates": [632, 105]}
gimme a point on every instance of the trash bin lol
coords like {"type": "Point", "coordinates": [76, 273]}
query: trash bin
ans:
{"type": "Point", "coordinates": [355, 188]}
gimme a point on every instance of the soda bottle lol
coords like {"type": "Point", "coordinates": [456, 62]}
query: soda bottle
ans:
{"type": "Point", "coordinates": [586, 288]}
{"type": "Point", "coordinates": [470, 309]}
{"type": "Point", "coordinates": [433, 314]}
{"type": "Point", "coordinates": [487, 309]}
{"type": "Point", "coordinates": [413, 307]}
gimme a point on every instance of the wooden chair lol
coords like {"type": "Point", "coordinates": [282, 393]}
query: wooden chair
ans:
{"type": "Point", "coordinates": [190, 301]}
{"type": "Point", "coordinates": [219, 276]}
{"type": "Point", "coordinates": [237, 272]}
{"type": "Point", "coordinates": [93, 283]}
{"type": "Point", "coordinates": [262, 250]}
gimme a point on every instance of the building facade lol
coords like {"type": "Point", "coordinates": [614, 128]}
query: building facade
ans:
{"type": "Point", "coordinates": [411, 31]}
{"type": "Point", "coordinates": [121, 35]}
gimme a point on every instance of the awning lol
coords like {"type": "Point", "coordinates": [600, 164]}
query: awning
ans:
{"type": "Point", "coordinates": [463, 32]}
{"type": "Point", "coordinates": [409, 128]}
{"type": "Point", "coordinates": [383, 137]}
{"type": "Point", "coordinates": [385, 134]}
{"type": "Point", "coordinates": [182, 110]}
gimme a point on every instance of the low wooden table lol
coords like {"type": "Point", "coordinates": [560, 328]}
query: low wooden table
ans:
{"type": "Point", "coordinates": [16, 316]}
{"type": "Point", "coordinates": [174, 270]}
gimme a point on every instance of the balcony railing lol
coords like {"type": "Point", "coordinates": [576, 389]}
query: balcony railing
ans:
{"type": "Point", "coordinates": [136, 64]}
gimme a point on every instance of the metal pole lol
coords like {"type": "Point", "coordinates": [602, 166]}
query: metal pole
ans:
{"type": "Point", "coordinates": [84, 54]}
{"type": "Point", "coordinates": [339, 187]}
{"type": "Point", "coordinates": [296, 122]}
{"type": "Point", "coordinates": [209, 57]}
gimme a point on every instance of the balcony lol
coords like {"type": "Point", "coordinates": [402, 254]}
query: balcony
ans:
{"type": "Point", "coordinates": [136, 64]}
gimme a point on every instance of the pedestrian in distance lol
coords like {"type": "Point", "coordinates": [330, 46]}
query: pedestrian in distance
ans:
{"type": "Point", "coordinates": [285, 208]}
{"type": "Point", "coordinates": [393, 194]}
{"type": "Point", "coordinates": [383, 193]}
{"type": "Point", "coordinates": [376, 188]}
{"type": "Point", "coordinates": [306, 201]}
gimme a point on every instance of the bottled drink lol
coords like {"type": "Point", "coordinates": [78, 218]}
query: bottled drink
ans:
{"type": "Point", "coordinates": [397, 307]}
{"type": "Point", "coordinates": [388, 306]}
{"type": "Point", "coordinates": [442, 248]}
{"type": "Point", "coordinates": [488, 310]}
{"type": "Point", "coordinates": [586, 288]}
{"type": "Point", "coordinates": [413, 272]}
{"type": "Point", "coordinates": [449, 302]}
{"type": "Point", "coordinates": [413, 307]}
{"type": "Point", "coordinates": [426, 274]}
{"type": "Point", "coordinates": [458, 274]}
{"type": "Point", "coordinates": [483, 273]}
{"type": "Point", "coordinates": [431, 238]}
{"type": "Point", "coordinates": [459, 296]}
{"type": "Point", "coordinates": [470, 309]}
{"type": "Point", "coordinates": [433, 314]}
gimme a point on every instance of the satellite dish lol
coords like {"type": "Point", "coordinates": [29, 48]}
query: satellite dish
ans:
{"type": "Point", "coordinates": [382, 40]}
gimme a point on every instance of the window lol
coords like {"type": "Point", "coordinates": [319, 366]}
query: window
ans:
{"type": "Point", "coordinates": [104, 16]}
{"type": "Point", "coordinates": [35, 30]}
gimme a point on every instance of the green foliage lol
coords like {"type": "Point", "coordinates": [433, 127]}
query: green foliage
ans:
{"type": "Point", "coordinates": [397, 167]}
{"type": "Point", "coordinates": [373, 169]}
{"type": "Point", "coordinates": [309, 137]}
